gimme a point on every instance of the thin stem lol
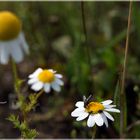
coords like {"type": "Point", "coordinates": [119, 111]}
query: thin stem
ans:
{"type": "Point", "coordinates": [21, 100]}
{"type": "Point", "coordinates": [94, 132]}
{"type": "Point", "coordinates": [16, 84]}
{"type": "Point", "coordinates": [39, 94]}
{"type": "Point", "coordinates": [133, 124]}
{"type": "Point", "coordinates": [91, 88]}
{"type": "Point", "coordinates": [123, 117]}
{"type": "Point", "coordinates": [85, 32]}
{"type": "Point", "coordinates": [17, 88]}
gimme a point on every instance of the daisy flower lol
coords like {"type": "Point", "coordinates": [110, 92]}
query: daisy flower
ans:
{"type": "Point", "coordinates": [12, 41]}
{"type": "Point", "coordinates": [45, 79]}
{"type": "Point", "coordinates": [97, 112]}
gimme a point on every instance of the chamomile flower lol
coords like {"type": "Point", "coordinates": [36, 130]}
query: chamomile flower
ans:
{"type": "Point", "coordinates": [97, 112]}
{"type": "Point", "coordinates": [12, 41]}
{"type": "Point", "coordinates": [45, 79]}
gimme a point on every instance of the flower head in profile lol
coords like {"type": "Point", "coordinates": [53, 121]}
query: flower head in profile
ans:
{"type": "Point", "coordinates": [12, 41]}
{"type": "Point", "coordinates": [97, 112]}
{"type": "Point", "coordinates": [45, 79]}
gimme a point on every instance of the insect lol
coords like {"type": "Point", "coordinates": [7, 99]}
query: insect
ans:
{"type": "Point", "coordinates": [87, 100]}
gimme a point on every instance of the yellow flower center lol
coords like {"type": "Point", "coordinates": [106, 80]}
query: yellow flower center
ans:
{"type": "Point", "coordinates": [46, 76]}
{"type": "Point", "coordinates": [10, 26]}
{"type": "Point", "coordinates": [94, 107]}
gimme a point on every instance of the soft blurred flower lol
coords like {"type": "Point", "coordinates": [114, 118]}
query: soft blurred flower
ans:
{"type": "Point", "coordinates": [12, 41]}
{"type": "Point", "coordinates": [97, 112]}
{"type": "Point", "coordinates": [45, 79]}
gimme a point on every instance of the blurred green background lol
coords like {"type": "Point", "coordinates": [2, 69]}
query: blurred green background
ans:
{"type": "Point", "coordinates": [55, 34]}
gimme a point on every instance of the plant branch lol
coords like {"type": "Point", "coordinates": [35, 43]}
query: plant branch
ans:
{"type": "Point", "coordinates": [133, 124]}
{"type": "Point", "coordinates": [85, 32]}
{"type": "Point", "coordinates": [123, 117]}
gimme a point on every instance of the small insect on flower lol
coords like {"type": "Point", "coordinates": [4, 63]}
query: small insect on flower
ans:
{"type": "Point", "coordinates": [12, 40]}
{"type": "Point", "coordinates": [97, 112]}
{"type": "Point", "coordinates": [45, 79]}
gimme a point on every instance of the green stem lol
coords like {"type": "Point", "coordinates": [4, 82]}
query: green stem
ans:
{"type": "Point", "coordinates": [16, 79]}
{"type": "Point", "coordinates": [91, 87]}
{"type": "Point", "coordinates": [123, 116]}
{"type": "Point", "coordinates": [21, 99]}
{"type": "Point", "coordinates": [85, 33]}
{"type": "Point", "coordinates": [25, 112]}
{"type": "Point", "coordinates": [94, 132]}
{"type": "Point", "coordinates": [17, 89]}
{"type": "Point", "coordinates": [39, 94]}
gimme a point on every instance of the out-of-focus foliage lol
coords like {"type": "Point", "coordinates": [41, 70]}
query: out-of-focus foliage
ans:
{"type": "Point", "coordinates": [54, 31]}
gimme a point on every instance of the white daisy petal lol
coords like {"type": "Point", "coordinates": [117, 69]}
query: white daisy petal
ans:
{"type": "Point", "coordinates": [47, 84]}
{"type": "Point", "coordinates": [113, 110]}
{"type": "Point", "coordinates": [107, 102]}
{"type": "Point", "coordinates": [77, 112]}
{"type": "Point", "coordinates": [37, 86]}
{"type": "Point", "coordinates": [90, 121]}
{"type": "Point", "coordinates": [98, 119]}
{"type": "Point", "coordinates": [4, 54]}
{"type": "Point", "coordinates": [35, 74]}
{"type": "Point", "coordinates": [59, 82]}
{"type": "Point", "coordinates": [58, 75]}
{"type": "Point", "coordinates": [14, 48]}
{"type": "Point", "coordinates": [79, 104]}
{"type": "Point", "coordinates": [47, 88]}
{"type": "Point", "coordinates": [16, 53]}
{"type": "Point", "coordinates": [82, 116]}
{"type": "Point", "coordinates": [33, 80]}
{"type": "Point", "coordinates": [79, 109]}
{"type": "Point", "coordinates": [108, 115]}
{"type": "Point", "coordinates": [105, 119]}
{"type": "Point", "coordinates": [56, 87]}
{"type": "Point", "coordinates": [112, 106]}
{"type": "Point", "coordinates": [51, 70]}
{"type": "Point", "coordinates": [109, 106]}
{"type": "Point", "coordinates": [23, 43]}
